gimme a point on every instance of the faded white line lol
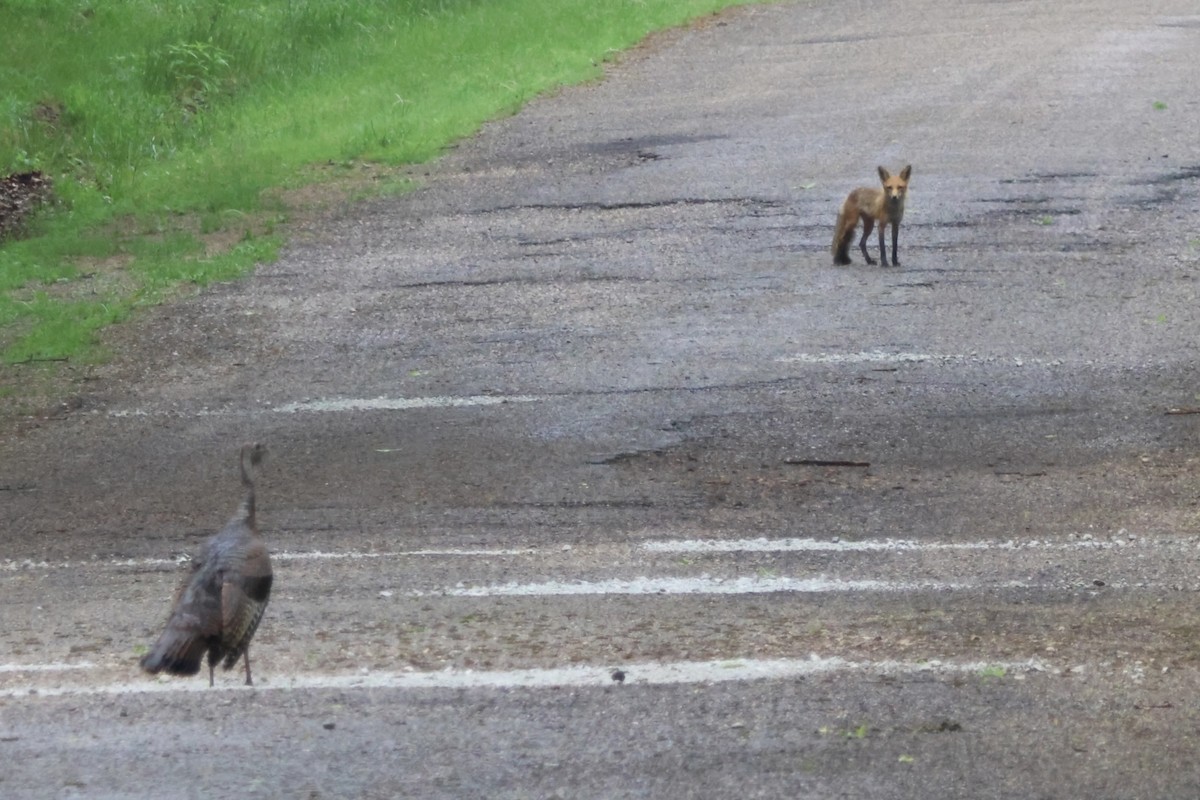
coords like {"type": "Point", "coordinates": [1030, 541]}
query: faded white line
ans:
{"type": "Point", "coordinates": [703, 584]}
{"type": "Point", "coordinates": [882, 357]}
{"type": "Point", "coordinates": [341, 404]}
{"type": "Point", "coordinates": [317, 555]}
{"type": "Point", "coordinates": [764, 545]}
{"type": "Point", "coordinates": [652, 673]}
{"type": "Point", "coordinates": [28, 564]}
{"type": "Point", "coordinates": [56, 666]}
{"type": "Point", "coordinates": [716, 546]}
{"type": "Point", "coordinates": [355, 555]}
{"type": "Point", "coordinates": [403, 403]}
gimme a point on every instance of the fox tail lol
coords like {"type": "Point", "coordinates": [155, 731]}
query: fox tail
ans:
{"type": "Point", "coordinates": [843, 235]}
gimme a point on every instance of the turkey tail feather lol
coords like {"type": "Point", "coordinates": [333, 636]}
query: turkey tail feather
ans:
{"type": "Point", "coordinates": [175, 653]}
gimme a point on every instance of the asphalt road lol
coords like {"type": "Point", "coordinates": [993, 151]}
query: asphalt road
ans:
{"type": "Point", "coordinates": [593, 403]}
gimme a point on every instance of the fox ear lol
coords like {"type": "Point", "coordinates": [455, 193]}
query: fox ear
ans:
{"type": "Point", "coordinates": [884, 175]}
{"type": "Point", "coordinates": [904, 173]}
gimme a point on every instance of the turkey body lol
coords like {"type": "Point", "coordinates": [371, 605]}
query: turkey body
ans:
{"type": "Point", "coordinates": [222, 600]}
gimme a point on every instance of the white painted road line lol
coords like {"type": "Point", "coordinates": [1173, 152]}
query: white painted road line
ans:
{"type": "Point", "coordinates": [785, 545]}
{"type": "Point", "coordinates": [53, 667]}
{"type": "Point", "coordinates": [403, 403]}
{"type": "Point", "coordinates": [652, 673]}
{"type": "Point", "coordinates": [344, 404]}
{"type": "Point", "coordinates": [15, 566]}
{"type": "Point", "coordinates": [698, 546]}
{"type": "Point", "coordinates": [353, 555]}
{"type": "Point", "coordinates": [339, 404]}
{"type": "Point", "coordinates": [348, 555]}
{"type": "Point", "coordinates": [703, 584]}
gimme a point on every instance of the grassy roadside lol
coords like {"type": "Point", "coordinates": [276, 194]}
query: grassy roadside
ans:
{"type": "Point", "coordinates": [173, 129]}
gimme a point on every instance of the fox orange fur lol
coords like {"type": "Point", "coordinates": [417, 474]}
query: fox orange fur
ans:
{"type": "Point", "coordinates": [882, 206]}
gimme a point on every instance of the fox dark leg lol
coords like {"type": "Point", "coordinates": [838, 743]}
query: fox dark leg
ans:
{"type": "Point", "coordinates": [895, 244]}
{"type": "Point", "coordinates": [868, 226]}
{"type": "Point", "coordinates": [246, 658]}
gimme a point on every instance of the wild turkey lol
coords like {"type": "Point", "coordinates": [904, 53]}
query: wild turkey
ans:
{"type": "Point", "coordinates": [222, 600]}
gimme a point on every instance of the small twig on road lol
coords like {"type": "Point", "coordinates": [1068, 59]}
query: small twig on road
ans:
{"type": "Point", "coordinates": [821, 462]}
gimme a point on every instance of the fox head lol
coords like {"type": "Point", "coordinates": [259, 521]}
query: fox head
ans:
{"type": "Point", "coordinates": [895, 186]}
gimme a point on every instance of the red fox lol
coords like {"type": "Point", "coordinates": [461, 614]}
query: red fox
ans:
{"type": "Point", "coordinates": [872, 205]}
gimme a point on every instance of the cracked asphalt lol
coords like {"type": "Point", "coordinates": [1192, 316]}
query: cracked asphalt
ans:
{"type": "Point", "coordinates": [594, 396]}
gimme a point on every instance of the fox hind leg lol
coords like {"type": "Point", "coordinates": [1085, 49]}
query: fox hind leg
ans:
{"type": "Point", "coordinates": [868, 226]}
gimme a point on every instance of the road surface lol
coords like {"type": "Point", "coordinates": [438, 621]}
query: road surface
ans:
{"type": "Point", "coordinates": [591, 476]}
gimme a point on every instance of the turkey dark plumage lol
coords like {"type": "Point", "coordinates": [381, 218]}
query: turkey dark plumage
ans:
{"type": "Point", "coordinates": [222, 600]}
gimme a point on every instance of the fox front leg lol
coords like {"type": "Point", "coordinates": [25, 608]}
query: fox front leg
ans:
{"type": "Point", "coordinates": [895, 244]}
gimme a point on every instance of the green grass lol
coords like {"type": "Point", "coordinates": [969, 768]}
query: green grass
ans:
{"type": "Point", "coordinates": [993, 671]}
{"type": "Point", "coordinates": [165, 125]}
